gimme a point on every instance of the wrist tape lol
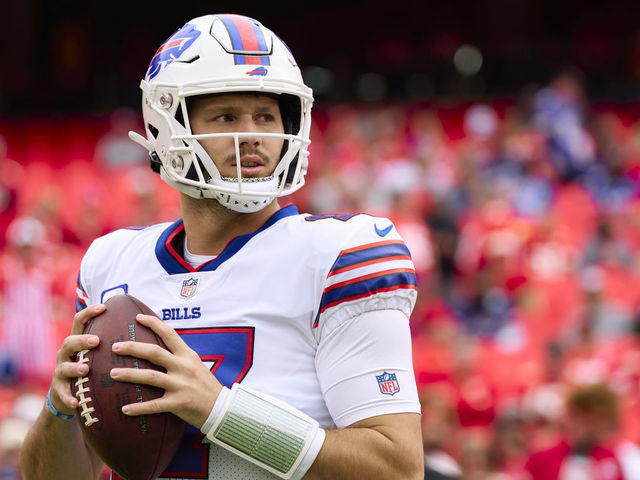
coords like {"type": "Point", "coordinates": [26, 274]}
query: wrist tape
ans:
{"type": "Point", "coordinates": [264, 431]}
{"type": "Point", "coordinates": [54, 410]}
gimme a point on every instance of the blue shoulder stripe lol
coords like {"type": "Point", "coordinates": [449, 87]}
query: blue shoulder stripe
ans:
{"type": "Point", "coordinates": [370, 252]}
{"type": "Point", "coordinates": [369, 285]}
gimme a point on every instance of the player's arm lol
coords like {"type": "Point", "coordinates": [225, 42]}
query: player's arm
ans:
{"type": "Point", "coordinates": [380, 433]}
{"type": "Point", "coordinates": [54, 447]}
{"type": "Point", "coordinates": [385, 446]}
{"type": "Point", "coordinates": [382, 438]}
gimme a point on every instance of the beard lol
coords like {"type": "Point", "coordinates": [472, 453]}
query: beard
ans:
{"type": "Point", "coordinates": [247, 151]}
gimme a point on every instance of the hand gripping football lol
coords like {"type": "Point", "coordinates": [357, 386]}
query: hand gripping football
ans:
{"type": "Point", "coordinates": [135, 447]}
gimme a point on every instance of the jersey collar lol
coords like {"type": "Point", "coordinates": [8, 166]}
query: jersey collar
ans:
{"type": "Point", "coordinates": [170, 250]}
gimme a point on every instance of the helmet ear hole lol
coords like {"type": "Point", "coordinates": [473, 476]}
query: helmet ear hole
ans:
{"type": "Point", "coordinates": [154, 131]}
{"type": "Point", "coordinates": [291, 112]}
{"type": "Point", "coordinates": [179, 117]}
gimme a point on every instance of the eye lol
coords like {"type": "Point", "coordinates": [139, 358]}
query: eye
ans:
{"type": "Point", "coordinates": [266, 117]}
{"type": "Point", "coordinates": [224, 118]}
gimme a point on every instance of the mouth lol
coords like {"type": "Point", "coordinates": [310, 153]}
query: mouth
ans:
{"type": "Point", "coordinates": [250, 166]}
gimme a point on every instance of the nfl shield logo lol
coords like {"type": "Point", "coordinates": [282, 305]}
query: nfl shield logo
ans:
{"type": "Point", "coordinates": [388, 383]}
{"type": "Point", "coordinates": [189, 287]}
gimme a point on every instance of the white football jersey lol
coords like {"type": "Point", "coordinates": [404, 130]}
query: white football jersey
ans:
{"type": "Point", "coordinates": [262, 311]}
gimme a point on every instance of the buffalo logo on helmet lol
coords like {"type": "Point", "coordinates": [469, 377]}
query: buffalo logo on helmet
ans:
{"type": "Point", "coordinates": [388, 383]}
{"type": "Point", "coordinates": [172, 49]}
{"type": "Point", "coordinates": [261, 71]}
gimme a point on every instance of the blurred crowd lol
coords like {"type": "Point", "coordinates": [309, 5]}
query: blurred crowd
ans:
{"type": "Point", "coordinates": [523, 219]}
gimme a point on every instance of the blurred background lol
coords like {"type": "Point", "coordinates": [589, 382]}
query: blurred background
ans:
{"type": "Point", "coordinates": [501, 137]}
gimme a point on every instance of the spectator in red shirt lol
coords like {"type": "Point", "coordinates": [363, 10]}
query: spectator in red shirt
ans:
{"type": "Point", "coordinates": [584, 452]}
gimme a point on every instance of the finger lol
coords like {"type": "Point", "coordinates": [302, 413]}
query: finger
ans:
{"type": "Point", "coordinates": [75, 343]}
{"type": "Point", "coordinates": [146, 351]}
{"type": "Point", "coordinates": [64, 376]}
{"type": "Point", "coordinates": [70, 370]}
{"type": "Point", "coordinates": [81, 318]}
{"type": "Point", "coordinates": [168, 335]}
{"type": "Point", "coordinates": [144, 376]}
{"type": "Point", "coordinates": [157, 405]}
{"type": "Point", "coordinates": [63, 400]}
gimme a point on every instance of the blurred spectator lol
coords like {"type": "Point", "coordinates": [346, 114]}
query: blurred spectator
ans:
{"type": "Point", "coordinates": [10, 175]}
{"type": "Point", "coordinates": [586, 451]}
{"type": "Point", "coordinates": [445, 233]}
{"type": "Point", "coordinates": [27, 337]}
{"type": "Point", "coordinates": [543, 409]}
{"type": "Point", "coordinates": [509, 450]}
{"type": "Point", "coordinates": [12, 434]}
{"type": "Point", "coordinates": [612, 180]}
{"type": "Point", "coordinates": [490, 261]}
{"type": "Point", "coordinates": [475, 457]}
{"type": "Point", "coordinates": [543, 404]}
{"type": "Point", "coordinates": [438, 426]}
{"type": "Point", "coordinates": [626, 379]}
{"type": "Point", "coordinates": [13, 430]}
{"type": "Point", "coordinates": [598, 317]}
{"type": "Point", "coordinates": [606, 246]}
{"type": "Point", "coordinates": [408, 219]}
{"type": "Point", "coordinates": [560, 111]}
{"type": "Point", "coordinates": [115, 149]}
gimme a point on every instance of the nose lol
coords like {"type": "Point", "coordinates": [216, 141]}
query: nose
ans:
{"type": "Point", "coordinates": [248, 125]}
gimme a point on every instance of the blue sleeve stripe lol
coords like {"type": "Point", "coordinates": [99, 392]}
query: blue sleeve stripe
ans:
{"type": "Point", "coordinates": [80, 286]}
{"type": "Point", "coordinates": [349, 258]}
{"type": "Point", "coordinates": [405, 279]}
{"type": "Point", "coordinates": [80, 305]}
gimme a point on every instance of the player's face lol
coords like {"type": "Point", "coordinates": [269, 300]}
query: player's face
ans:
{"type": "Point", "coordinates": [239, 113]}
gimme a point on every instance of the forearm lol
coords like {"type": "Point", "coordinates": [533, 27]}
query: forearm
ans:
{"type": "Point", "coordinates": [55, 449]}
{"type": "Point", "coordinates": [367, 450]}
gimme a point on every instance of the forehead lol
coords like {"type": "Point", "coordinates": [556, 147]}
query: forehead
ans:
{"type": "Point", "coordinates": [249, 101]}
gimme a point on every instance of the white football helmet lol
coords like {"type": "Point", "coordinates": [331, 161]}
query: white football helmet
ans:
{"type": "Point", "coordinates": [223, 54]}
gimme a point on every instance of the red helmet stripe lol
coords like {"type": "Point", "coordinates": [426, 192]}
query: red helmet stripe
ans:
{"type": "Point", "coordinates": [246, 33]}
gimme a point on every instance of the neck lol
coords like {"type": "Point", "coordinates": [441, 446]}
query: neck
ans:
{"type": "Point", "coordinates": [209, 226]}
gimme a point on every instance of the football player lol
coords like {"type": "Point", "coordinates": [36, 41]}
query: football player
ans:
{"type": "Point", "coordinates": [266, 312]}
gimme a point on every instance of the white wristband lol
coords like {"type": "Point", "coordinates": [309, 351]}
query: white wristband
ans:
{"type": "Point", "coordinates": [265, 431]}
{"type": "Point", "coordinates": [310, 456]}
{"type": "Point", "coordinates": [215, 411]}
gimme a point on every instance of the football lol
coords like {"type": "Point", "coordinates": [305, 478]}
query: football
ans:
{"type": "Point", "coordinates": [135, 447]}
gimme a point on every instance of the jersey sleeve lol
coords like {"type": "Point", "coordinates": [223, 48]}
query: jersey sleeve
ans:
{"type": "Point", "coordinates": [372, 271]}
{"type": "Point", "coordinates": [365, 368]}
{"type": "Point", "coordinates": [96, 263]}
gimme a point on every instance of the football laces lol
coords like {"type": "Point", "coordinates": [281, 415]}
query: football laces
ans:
{"type": "Point", "coordinates": [83, 399]}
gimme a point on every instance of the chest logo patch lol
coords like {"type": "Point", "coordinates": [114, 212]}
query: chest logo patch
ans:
{"type": "Point", "coordinates": [388, 383]}
{"type": "Point", "coordinates": [189, 287]}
